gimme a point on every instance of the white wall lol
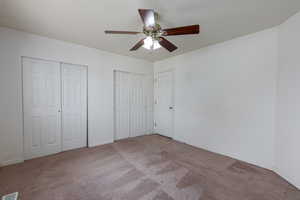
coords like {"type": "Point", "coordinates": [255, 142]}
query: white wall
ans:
{"type": "Point", "coordinates": [14, 44]}
{"type": "Point", "coordinates": [225, 94]}
{"type": "Point", "coordinates": [225, 97]}
{"type": "Point", "coordinates": [288, 109]}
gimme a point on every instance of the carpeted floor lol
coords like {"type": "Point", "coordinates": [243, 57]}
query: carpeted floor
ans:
{"type": "Point", "coordinates": [147, 168]}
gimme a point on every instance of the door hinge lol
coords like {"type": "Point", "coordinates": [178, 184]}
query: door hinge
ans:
{"type": "Point", "coordinates": [154, 124]}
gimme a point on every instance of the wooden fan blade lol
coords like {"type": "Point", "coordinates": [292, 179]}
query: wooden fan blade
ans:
{"type": "Point", "coordinates": [167, 44]}
{"type": "Point", "coordinates": [138, 45]}
{"type": "Point", "coordinates": [122, 32]}
{"type": "Point", "coordinates": [148, 17]}
{"type": "Point", "coordinates": [185, 30]}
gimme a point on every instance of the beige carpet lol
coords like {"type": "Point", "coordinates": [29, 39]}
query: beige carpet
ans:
{"type": "Point", "coordinates": [146, 168]}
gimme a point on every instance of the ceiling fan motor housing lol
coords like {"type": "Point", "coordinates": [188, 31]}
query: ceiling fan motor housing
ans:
{"type": "Point", "coordinates": [153, 31]}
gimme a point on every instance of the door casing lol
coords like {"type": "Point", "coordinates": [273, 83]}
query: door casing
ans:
{"type": "Point", "coordinates": [172, 103]}
{"type": "Point", "coordinates": [22, 82]}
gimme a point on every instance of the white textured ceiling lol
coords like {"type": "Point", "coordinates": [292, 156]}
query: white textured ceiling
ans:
{"type": "Point", "coordinates": [84, 21]}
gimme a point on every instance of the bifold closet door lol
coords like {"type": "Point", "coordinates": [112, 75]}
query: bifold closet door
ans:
{"type": "Point", "coordinates": [74, 106]}
{"type": "Point", "coordinates": [122, 105]}
{"type": "Point", "coordinates": [138, 105]}
{"type": "Point", "coordinates": [42, 107]}
{"type": "Point", "coordinates": [55, 107]}
{"type": "Point", "coordinates": [130, 105]}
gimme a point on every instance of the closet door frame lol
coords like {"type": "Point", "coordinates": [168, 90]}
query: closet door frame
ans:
{"type": "Point", "coordinates": [171, 105]}
{"type": "Point", "coordinates": [23, 114]}
{"type": "Point", "coordinates": [115, 103]}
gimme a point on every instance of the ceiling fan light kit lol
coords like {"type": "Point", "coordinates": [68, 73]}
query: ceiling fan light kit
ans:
{"type": "Point", "coordinates": [151, 43]}
{"type": "Point", "coordinates": [155, 34]}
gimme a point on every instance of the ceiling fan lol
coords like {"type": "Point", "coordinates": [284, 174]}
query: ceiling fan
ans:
{"type": "Point", "coordinates": [154, 33]}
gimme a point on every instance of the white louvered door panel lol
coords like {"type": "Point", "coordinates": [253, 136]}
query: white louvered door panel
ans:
{"type": "Point", "coordinates": [122, 105]}
{"type": "Point", "coordinates": [149, 102]}
{"type": "Point", "coordinates": [42, 102]}
{"type": "Point", "coordinates": [74, 106]}
{"type": "Point", "coordinates": [138, 115]}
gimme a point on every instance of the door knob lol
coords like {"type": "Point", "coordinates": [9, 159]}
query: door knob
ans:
{"type": "Point", "coordinates": [170, 107]}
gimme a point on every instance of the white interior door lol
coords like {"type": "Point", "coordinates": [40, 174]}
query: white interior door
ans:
{"type": "Point", "coordinates": [74, 106]}
{"type": "Point", "coordinates": [42, 104]}
{"type": "Point", "coordinates": [131, 107]}
{"type": "Point", "coordinates": [164, 105]}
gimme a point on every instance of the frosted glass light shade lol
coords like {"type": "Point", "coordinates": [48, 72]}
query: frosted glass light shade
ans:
{"type": "Point", "coordinates": [151, 44]}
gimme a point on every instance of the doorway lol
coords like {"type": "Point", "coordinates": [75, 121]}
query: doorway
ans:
{"type": "Point", "coordinates": [131, 105]}
{"type": "Point", "coordinates": [54, 107]}
{"type": "Point", "coordinates": [164, 103]}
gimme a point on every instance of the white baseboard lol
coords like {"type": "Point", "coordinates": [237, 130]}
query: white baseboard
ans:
{"type": "Point", "coordinates": [288, 179]}
{"type": "Point", "coordinates": [11, 162]}
{"type": "Point", "coordinates": [102, 143]}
